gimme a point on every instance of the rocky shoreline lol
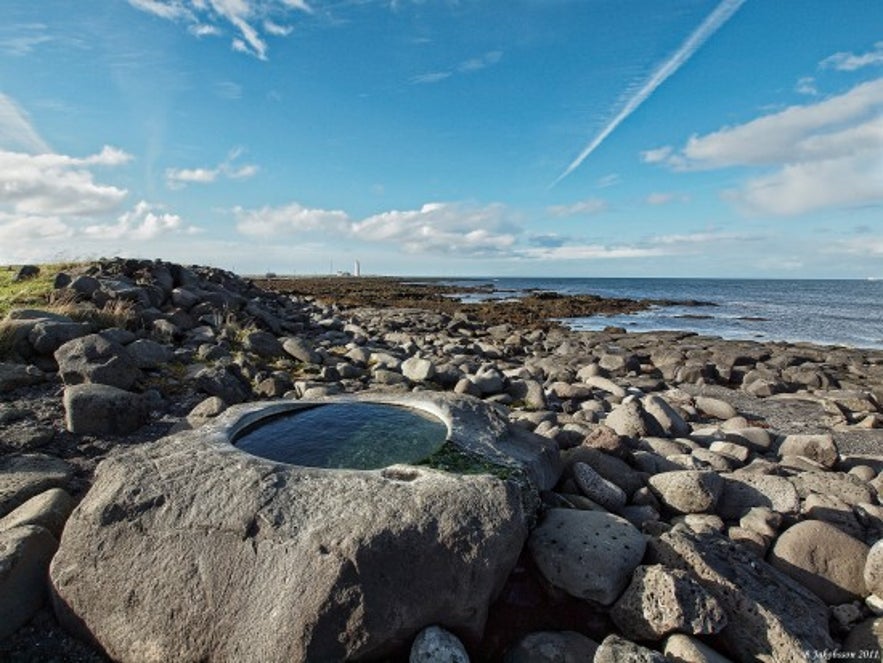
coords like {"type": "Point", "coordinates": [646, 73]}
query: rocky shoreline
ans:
{"type": "Point", "coordinates": [740, 478]}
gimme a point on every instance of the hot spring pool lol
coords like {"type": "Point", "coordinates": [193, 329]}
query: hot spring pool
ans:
{"type": "Point", "coordinates": [359, 436]}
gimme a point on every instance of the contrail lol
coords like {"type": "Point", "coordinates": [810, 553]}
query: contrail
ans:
{"type": "Point", "coordinates": [722, 13]}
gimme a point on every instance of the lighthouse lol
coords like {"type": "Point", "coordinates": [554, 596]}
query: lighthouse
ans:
{"type": "Point", "coordinates": [357, 269]}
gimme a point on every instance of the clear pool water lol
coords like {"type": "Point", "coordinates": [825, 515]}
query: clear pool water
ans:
{"type": "Point", "coordinates": [361, 436]}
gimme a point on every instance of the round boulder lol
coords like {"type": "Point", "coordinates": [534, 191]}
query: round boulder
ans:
{"type": "Point", "coordinates": [824, 559]}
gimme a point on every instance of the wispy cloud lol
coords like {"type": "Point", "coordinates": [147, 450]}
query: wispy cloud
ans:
{"type": "Point", "coordinates": [469, 66]}
{"type": "Point", "coordinates": [664, 198]}
{"type": "Point", "coordinates": [431, 77]}
{"type": "Point", "coordinates": [228, 90]}
{"type": "Point", "coordinates": [581, 208]}
{"type": "Point", "coordinates": [716, 20]}
{"type": "Point", "coordinates": [827, 154]}
{"type": "Point", "coordinates": [16, 130]}
{"type": "Point", "coordinates": [177, 178]}
{"type": "Point", "coordinates": [252, 19]}
{"type": "Point", "coordinates": [19, 40]}
{"type": "Point", "coordinates": [807, 86]}
{"type": "Point", "coordinates": [489, 59]}
{"type": "Point", "coordinates": [850, 61]}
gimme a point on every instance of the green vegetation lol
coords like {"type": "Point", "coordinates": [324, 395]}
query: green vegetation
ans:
{"type": "Point", "coordinates": [30, 293]}
{"type": "Point", "coordinates": [450, 458]}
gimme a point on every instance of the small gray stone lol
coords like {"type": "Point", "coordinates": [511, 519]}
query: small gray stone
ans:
{"type": "Point", "coordinates": [715, 407]}
{"type": "Point", "coordinates": [680, 648]}
{"type": "Point", "coordinates": [615, 649]}
{"type": "Point", "coordinates": [552, 647]}
{"type": "Point", "coordinates": [687, 491]}
{"type": "Point", "coordinates": [743, 491]}
{"type": "Point", "coordinates": [820, 448]}
{"type": "Point", "coordinates": [873, 572]}
{"type": "Point", "coordinates": [16, 376]}
{"type": "Point", "coordinates": [24, 476]}
{"type": "Point", "coordinates": [436, 645]}
{"type": "Point", "coordinates": [99, 409]}
{"type": "Point", "coordinates": [263, 344]}
{"type": "Point", "coordinates": [597, 488]}
{"type": "Point", "coordinates": [149, 354]}
{"type": "Point", "coordinates": [659, 601]}
{"type": "Point", "coordinates": [417, 369]}
{"type": "Point", "coordinates": [95, 359]}
{"type": "Point", "coordinates": [301, 350]}
{"type": "Point", "coordinates": [25, 553]}
{"type": "Point", "coordinates": [629, 419]}
{"type": "Point", "coordinates": [49, 510]}
{"type": "Point", "coordinates": [668, 419]}
{"type": "Point", "coordinates": [46, 337]}
{"type": "Point", "coordinates": [588, 554]}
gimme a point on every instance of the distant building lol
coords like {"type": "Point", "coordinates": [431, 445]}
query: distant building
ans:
{"type": "Point", "coordinates": [357, 269]}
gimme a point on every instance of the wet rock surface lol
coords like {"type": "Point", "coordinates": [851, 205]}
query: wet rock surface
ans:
{"type": "Point", "coordinates": [792, 431]}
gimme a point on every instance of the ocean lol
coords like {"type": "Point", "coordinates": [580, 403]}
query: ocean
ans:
{"type": "Point", "coordinates": [827, 312]}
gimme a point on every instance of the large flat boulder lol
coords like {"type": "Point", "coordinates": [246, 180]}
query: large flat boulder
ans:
{"type": "Point", "coordinates": [770, 617]}
{"type": "Point", "coordinates": [189, 549]}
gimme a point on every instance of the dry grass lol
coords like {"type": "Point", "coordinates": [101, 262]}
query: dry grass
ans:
{"type": "Point", "coordinates": [32, 293]}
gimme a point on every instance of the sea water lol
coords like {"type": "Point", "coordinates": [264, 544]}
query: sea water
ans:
{"type": "Point", "coordinates": [829, 312]}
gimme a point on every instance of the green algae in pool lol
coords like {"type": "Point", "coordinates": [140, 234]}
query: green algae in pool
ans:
{"type": "Point", "coordinates": [359, 436]}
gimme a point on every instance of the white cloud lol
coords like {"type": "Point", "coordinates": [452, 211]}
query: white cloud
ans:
{"type": "Point", "coordinates": [658, 198]}
{"type": "Point", "coordinates": [812, 185]}
{"type": "Point", "coordinates": [489, 59]}
{"type": "Point", "coordinates": [447, 228]}
{"type": "Point", "coordinates": [608, 180]}
{"type": "Point", "coordinates": [431, 77]}
{"type": "Point", "coordinates": [291, 218]}
{"type": "Point", "coordinates": [591, 252]}
{"type": "Point", "coordinates": [16, 130]}
{"type": "Point", "coordinates": [143, 222]}
{"type": "Point", "coordinates": [228, 90]}
{"type": "Point", "coordinates": [178, 178]}
{"type": "Point", "coordinates": [583, 207]}
{"type": "Point", "coordinates": [55, 184]}
{"type": "Point", "coordinates": [203, 30]}
{"type": "Point", "coordinates": [850, 61]}
{"type": "Point", "coordinates": [469, 66]}
{"type": "Point", "coordinates": [252, 19]}
{"type": "Point", "coordinates": [824, 154]}
{"type": "Point", "coordinates": [807, 86]}
{"type": "Point", "coordinates": [657, 155]}
{"type": "Point", "coordinates": [19, 40]}
{"type": "Point", "coordinates": [20, 229]}
{"type": "Point", "coordinates": [277, 30]}
{"type": "Point", "coordinates": [788, 135]}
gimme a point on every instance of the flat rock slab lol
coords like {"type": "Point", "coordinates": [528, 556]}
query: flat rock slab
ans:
{"type": "Point", "coordinates": [588, 554]}
{"type": "Point", "coordinates": [189, 549]}
{"type": "Point", "coordinates": [770, 617]}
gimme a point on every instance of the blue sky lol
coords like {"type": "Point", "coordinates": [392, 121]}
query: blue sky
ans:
{"type": "Point", "coordinates": [733, 138]}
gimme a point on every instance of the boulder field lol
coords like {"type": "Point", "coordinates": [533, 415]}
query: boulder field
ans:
{"type": "Point", "coordinates": [718, 500]}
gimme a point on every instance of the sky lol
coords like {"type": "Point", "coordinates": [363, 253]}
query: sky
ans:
{"type": "Point", "coordinates": [583, 138]}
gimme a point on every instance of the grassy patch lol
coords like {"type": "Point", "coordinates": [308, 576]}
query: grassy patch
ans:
{"type": "Point", "coordinates": [31, 293]}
